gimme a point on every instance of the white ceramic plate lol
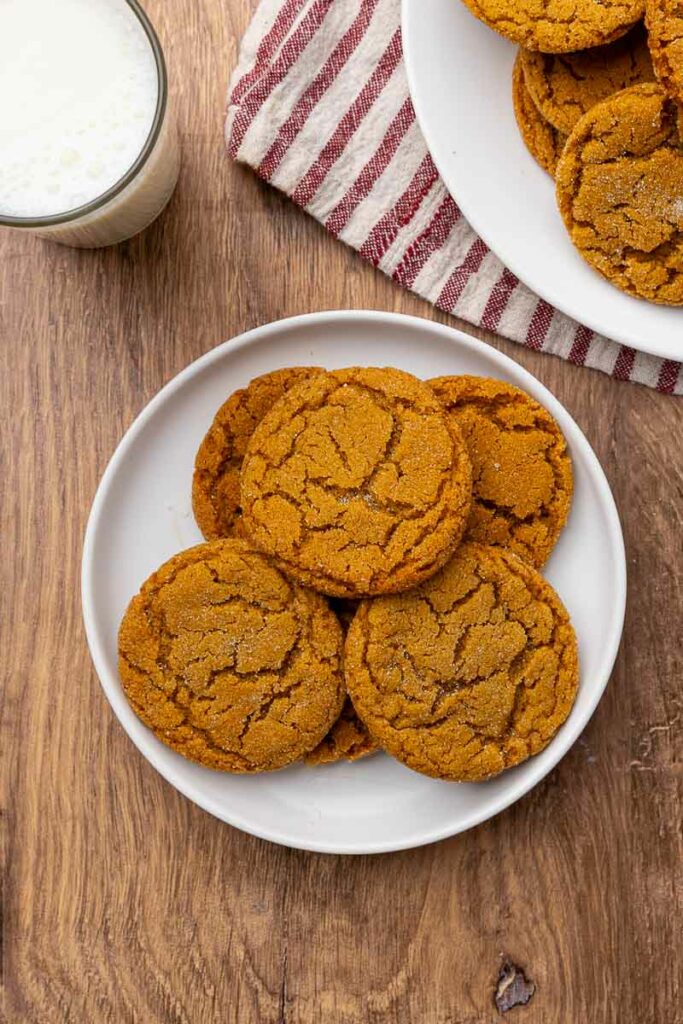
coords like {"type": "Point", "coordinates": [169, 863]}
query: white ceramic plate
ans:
{"type": "Point", "coordinates": [460, 75]}
{"type": "Point", "coordinates": [142, 515]}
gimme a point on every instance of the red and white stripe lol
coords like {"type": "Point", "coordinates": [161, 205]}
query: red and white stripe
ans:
{"type": "Point", "coordinates": [319, 107]}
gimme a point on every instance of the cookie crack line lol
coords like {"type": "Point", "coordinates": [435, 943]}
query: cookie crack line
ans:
{"type": "Point", "coordinates": [493, 402]}
{"type": "Point", "coordinates": [312, 407]}
{"type": "Point", "coordinates": [345, 493]}
{"type": "Point", "coordinates": [445, 719]}
{"type": "Point", "coordinates": [166, 636]}
{"type": "Point", "coordinates": [261, 713]}
{"type": "Point", "coordinates": [542, 515]}
{"type": "Point", "coordinates": [388, 505]}
{"type": "Point", "coordinates": [165, 733]}
{"type": "Point", "coordinates": [327, 400]}
{"type": "Point", "coordinates": [442, 617]}
{"type": "Point", "coordinates": [386, 459]}
{"type": "Point", "coordinates": [407, 561]}
{"type": "Point", "coordinates": [519, 686]}
{"type": "Point", "coordinates": [194, 556]}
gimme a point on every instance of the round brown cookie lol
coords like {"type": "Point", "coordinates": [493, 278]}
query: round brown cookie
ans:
{"type": "Point", "coordinates": [228, 662]}
{"type": "Point", "coordinates": [565, 86]}
{"type": "Point", "coordinates": [469, 674]}
{"type": "Point", "coordinates": [216, 480]}
{"type": "Point", "coordinates": [558, 26]}
{"type": "Point", "coordinates": [522, 479]}
{"type": "Point", "coordinates": [543, 141]}
{"type": "Point", "coordinates": [664, 20]}
{"type": "Point", "coordinates": [620, 192]}
{"type": "Point", "coordinates": [356, 484]}
{"type": "Point", "coordinates": [348, 739]}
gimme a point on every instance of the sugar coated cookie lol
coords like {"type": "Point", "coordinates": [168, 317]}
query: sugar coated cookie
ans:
{"type": "Point", "coordinates": [620, 192]}
{"type": "Point", "coordinates": [664, 19]}
{"type": "Point", "coordinates": [565, 86]}
{"type": "Point", "coordinates": [348, 739]}
{"type": "Point", "coordinates": [469, 674]}
{"type": "Point", "coordinates": [229, 663]}
{"type": "Point", "coordinates": [356, 484]}
{"type": "Point", "coordinates": [216, 480]}
{"type": "Point", "coordinates": [558, 26]}
{"type": "Point", "coordinates": [521, 470]}
{"type": "Point", "coordinates": [543, 141]}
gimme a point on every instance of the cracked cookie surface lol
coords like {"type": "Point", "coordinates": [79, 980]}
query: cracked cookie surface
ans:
{"type": "Point", "coordinates": [620, 192]}
{"type": "Point", "coordinates": [471, 673]}
{"type": "Point", "coordinates": [216, 480]}
{"type": "Point", "coordinates": [356, 483]}
{"type": "Point", "coordinates": [228, 662]}
{"type": "Point", "coordinates": [543, 141]}
{"type": "Point", "coordinates": [565, 86]}
{"type": "Point", "coordinates": [348, 739]}
{"type": "Point", "coordinates": [521, 470]}
{"type": "Point", "coordinates": [558, 26]}
{"type": "Point", "coordinates": [664, 20]}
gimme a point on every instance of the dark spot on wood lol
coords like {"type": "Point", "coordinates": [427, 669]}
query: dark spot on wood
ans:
{"type": "Point", "coordinates": [513, 988]}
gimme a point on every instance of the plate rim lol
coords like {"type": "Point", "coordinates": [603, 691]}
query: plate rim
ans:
{"type": "Point", "coordinates": [111, 684]}
{"type": "Point", "coordinates": [554, 297]}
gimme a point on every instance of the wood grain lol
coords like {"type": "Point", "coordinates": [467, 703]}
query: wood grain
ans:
{"type": "Point", "coordinates": [125, 903]}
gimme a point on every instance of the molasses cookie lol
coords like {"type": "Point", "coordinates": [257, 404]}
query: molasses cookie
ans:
{"type": "Point", "coordinates": [521, 469]}
{"type": "Point", "coordinates": [558, 26]}
{"type": "Point", "coordinates": [356, 484]}
{"type": "Point", "coordinates": [228, 662]}
{"type": "Point", "coordinates": [664, 19]}
{"type": "Point", "coordinates": [216, 481]}
{"type": "Point", "coordinates": [348, 739]}
{"type": "Point", "coordinates": [469, 674]}
{"type": "Point", "coordinates": [543, 141]}
{"type": "Point", "coordinates": [620, 192]}
{"type": "Point", "coordinates": [565, 86]}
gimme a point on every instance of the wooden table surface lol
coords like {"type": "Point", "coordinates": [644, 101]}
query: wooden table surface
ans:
{"type": "Point", "coordinates": [123, 902]}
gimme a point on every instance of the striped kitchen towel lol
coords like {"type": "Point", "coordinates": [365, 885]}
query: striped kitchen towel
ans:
{"type": "Point", "coordinates": [319, 107]}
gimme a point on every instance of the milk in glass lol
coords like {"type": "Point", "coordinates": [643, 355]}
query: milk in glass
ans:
{"type": "Point", "coordinates": [88, 148]}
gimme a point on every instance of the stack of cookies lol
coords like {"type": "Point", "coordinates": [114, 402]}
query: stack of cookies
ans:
{"type": "Point", "coordinates": [596, 94]}
{"type": "Point", "coordinates": [370, 579]}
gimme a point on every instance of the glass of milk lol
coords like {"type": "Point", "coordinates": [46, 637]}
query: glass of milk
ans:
{"type": "Point", "coordinates": [88, 145]}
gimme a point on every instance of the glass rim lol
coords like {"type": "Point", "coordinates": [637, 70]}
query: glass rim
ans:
{"type": "Point", "coordinates": [95, 204]}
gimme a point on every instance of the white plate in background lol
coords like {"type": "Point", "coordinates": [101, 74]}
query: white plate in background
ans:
{"type": "Point", "coordinates": [142, 515]}
{"type": "Point", "coordinates": [460, 77]}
